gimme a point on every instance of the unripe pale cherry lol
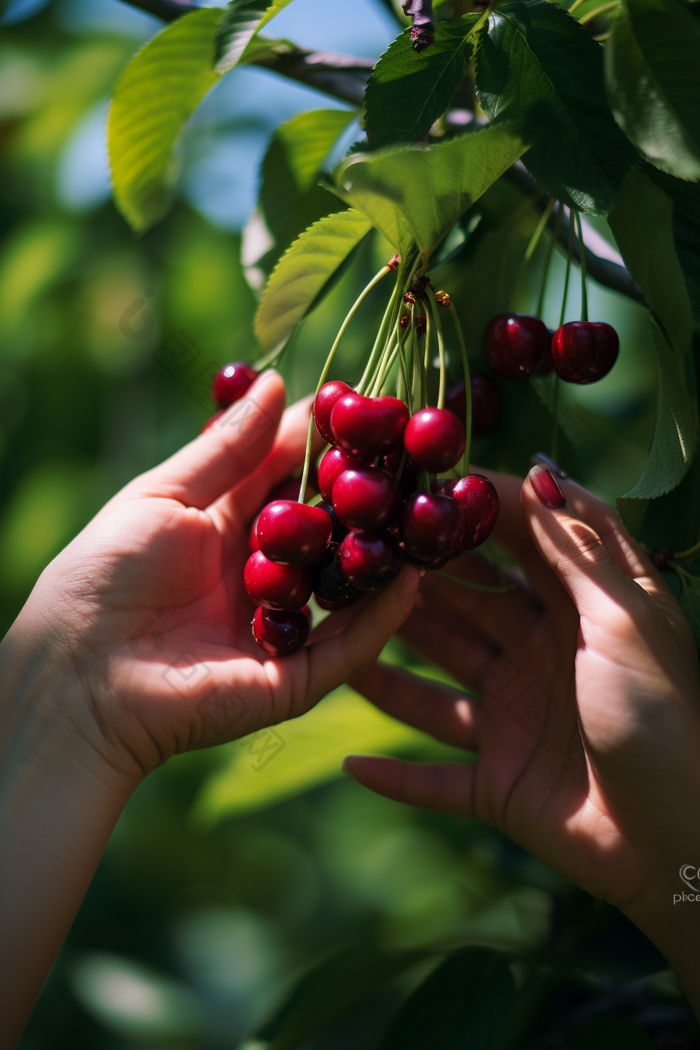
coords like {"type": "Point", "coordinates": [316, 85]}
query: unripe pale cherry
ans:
{"type": "Point", "coordinates": [434, 439]}
{"type": "Point", "coordinates": [293, 533]}
{"type": "Point", "coordinates": [276, 586]}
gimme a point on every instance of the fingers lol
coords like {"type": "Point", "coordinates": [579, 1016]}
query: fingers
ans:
{"type": "Point", "coordinates": [604, 595]}
{"type": "Point", "coordinates": [340, 657]}
{"type": "Point", "coordinates": [421, 703]}
{"type": "Point", "coordinates": [446, 787]}
{"type": "Point", "coordinates": [224, 454]}
{"type": "Point", "coordinates": [460, 649]}
{"type": "Point", "coordinates": [285, 457]}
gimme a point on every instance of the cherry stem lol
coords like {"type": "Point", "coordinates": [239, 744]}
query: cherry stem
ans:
{"type": "Point", "coordinates": [590, 15]}
{"type": "Point", "coordinates": [567, 275]}
{"type": "Point", "coordinates": [503, 588]}
{"type": "Point", "coordinates": [545, 272]}
{"type": "Point", "coordinates": [326, 369]}
{"type": "Point", "coordinates": [582, 255]}
{"type": "Point", "coordinates": [435, 311]}
{"type": "Point", "coordinates": [428, 334]}
{"type": "Point", "coordinates": [695, 549]}
{"type": "Point", "coordinates": [539, 230]}
{"type": "Point", "coordinates": [380, 341]}
{"type": "Point", "coordinates": [464, 467]}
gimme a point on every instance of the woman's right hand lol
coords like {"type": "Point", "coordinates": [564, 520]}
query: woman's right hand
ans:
{"type": "Point", "coordinates": [588, 727]}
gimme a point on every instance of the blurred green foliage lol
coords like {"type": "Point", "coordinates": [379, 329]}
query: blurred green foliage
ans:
{"type": "Point", "coordinates": [227, 877]}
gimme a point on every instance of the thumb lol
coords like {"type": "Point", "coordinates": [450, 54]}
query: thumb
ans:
{"type": "Point", "coordinates": [602, 593]}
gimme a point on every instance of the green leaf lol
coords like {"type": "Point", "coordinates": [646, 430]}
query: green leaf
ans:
{"type": "Point", "coordinates": [307, 140]}
{"type": "Point", "coordinates": [467, 1002]}
{"type": "Point", "coordinates": [303, 272]}
{"type": "Point", "coordinates": [239, 26]}
{"type": "Point", "coordinates": [329, 990]}
{"type": "Point", "coordinates": [417, 193]}
{"type": "Point", "coordinates": [408, 91]}
{"type": "Point", "coordinates": [314, 748]}
{"type": "Point", "coordinates": [652, 72]}
{"type": "Point", "coordinates": [153, 98]}
{"type": "Point", "coordinates": [641, 222]}
{"type": "Point", "coordinates": [539, 68]}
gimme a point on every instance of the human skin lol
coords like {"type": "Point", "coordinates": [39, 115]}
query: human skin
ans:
{"type": "Point", "coordinates": [585, 716]}
{"type": "Point", "coordinates": [136, 645]}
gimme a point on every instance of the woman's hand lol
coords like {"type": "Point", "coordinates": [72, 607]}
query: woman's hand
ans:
{"type": "Point", "coordinates": [588, 727]}
{"type": "Point", "coordinates": [135, 645]}
{"type": "Point", "coordinates": [146, 614]}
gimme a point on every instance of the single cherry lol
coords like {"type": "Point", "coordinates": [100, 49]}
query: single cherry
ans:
{"type": "Point", "coordinates": [280, 633]}
{"type": "Point", "coordinates": [334, 462]}
{"type": "Point", "coordinates": [369, 559]}
{"type": "Point", "coordinates": [408, 479]}
{"type": "Point", "coordinates": [486, 404]}
{"type": "Point", "coordinates": [292, 533]}
{"type": "Point", "coordinates": [434, 439]}
{"type": "Point", "coordinates": [323, 406]}
{"type": "Point", "coordinates": [515, 345]}
{"type": "Point", "coordinates": [430, 525]}
{"type": "Point", "coordinates": [276, 586]}
{"type": "Point", "coordinates": [231, 382]}
{"type": "Point", "coordinates": [584, 351]}
{"type": "Point", "coordinates": [479, 502]}
{"type": "Point", "coordinates": [329, 584]}
{"type": "Point", "coordinates": [366, 498]}
{"type": "Point", "coordinates": [369, 426]}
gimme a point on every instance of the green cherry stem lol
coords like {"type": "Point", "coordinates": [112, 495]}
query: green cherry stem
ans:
{"type": "Point", "coordinates": [539, 230]}
{"type": "Point", "coordinates": [464, 467]}
{"type": "Point", "coordinates": [695, 549]}
{"type": "Point", "coordinates": [326, 369]}
{"type": "Point", "coordinates": [435, 311]}
{"type": "Point", "coordinates": [590, 15]}
{"type": "Point", "coordinates": [582, 254]}
{"type": "Point", "coordinates": [547, 262]}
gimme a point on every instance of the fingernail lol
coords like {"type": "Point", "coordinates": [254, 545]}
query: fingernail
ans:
{"type": "Point", "coordinates": [547, 488]}
{"type": "Point", "coordinates": [542, 457]}
{"type": "Point", "coordinates": [345, 767]}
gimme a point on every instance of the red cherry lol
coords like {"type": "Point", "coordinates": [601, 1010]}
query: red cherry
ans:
{"type": "Point", "coordinates": [434, 439]}
{"type": "Point", "coordinates": [515, 345]}
{"type": "Point", "coordinates": [369, 559]}
{"type": "Point", "coordinates": [276, 586]}
{"type": "Point", "coordinates": [340, 604]}
{"type": "Point", "coordinates": [479, 501]}
{"type": "Point", "coordinates": [280, 633]}
{"type": "Point", "coordinates": [231, 382]}
{"type": "Point", "coordinates": [323, 406]}
{"type": "Point", "coordinates": [335, 461]}
{"type": "Point", "coordinates": [366, 498]}
{"type": "Point", "coordinates": [291, 533]}
{"type": "Point", "coordinates": [253, 544]}
{"type": "Point", "coordinates": [408, 482]}
{"type": "Point", "coordinates": [584, 351]}
{"type": "Point", "coordinates": [369, 426]}
{"type": "Point", "coordinates": [486, 404]}
{"type": "Point", "coordinates": [339, 532]}
{"type": "Point", "coordinates": [328, 582]}
{"type": "Point", "coordinates": [430, 525]}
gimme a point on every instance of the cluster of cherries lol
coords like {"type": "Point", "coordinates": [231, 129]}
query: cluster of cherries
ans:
{"type": "Point", "coordinates": [379, 507]}
{"type": "Point", "coordinates": [518, 346]}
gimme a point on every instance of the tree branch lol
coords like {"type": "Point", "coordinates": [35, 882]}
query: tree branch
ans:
{"type": "Point", "coordinates": [344, 78]}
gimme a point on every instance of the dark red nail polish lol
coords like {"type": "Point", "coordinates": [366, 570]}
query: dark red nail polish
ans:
{"type": "Point", "coordinates": [542, 457]}
{"type": "Point", "coordinates": [547, 488]}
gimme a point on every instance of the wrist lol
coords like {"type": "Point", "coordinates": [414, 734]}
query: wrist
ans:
{"type": "Point", "coordinates": [47, 720]}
